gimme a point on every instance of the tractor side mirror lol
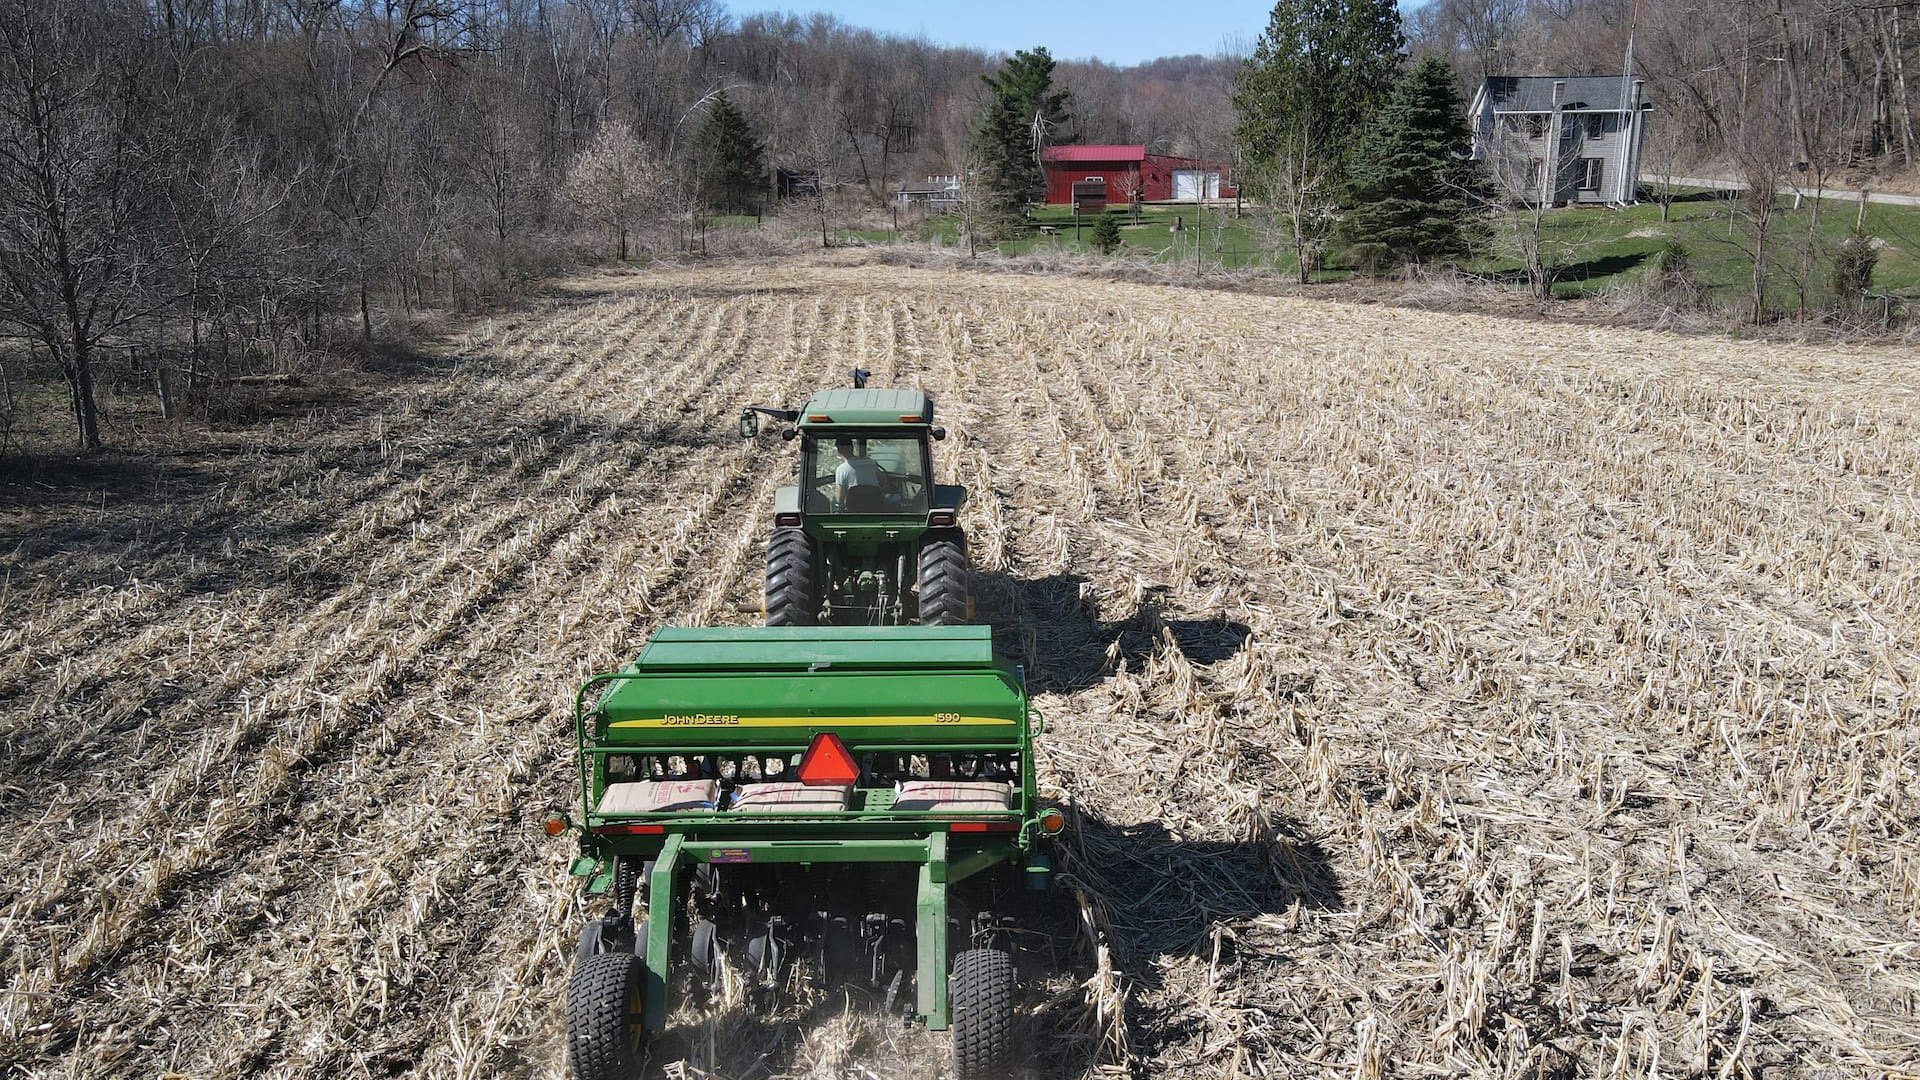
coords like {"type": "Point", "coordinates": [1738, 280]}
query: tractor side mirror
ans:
{"type": "Point", "coordinates": [749, 424]}
{"type": "Point", "coordinates": [938, 433]}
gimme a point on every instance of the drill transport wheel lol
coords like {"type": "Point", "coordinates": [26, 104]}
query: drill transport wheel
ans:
{"type": "Point", "coordinates": [606, 1034]}
{"type": "Point", "coordinates": [982, 1002]}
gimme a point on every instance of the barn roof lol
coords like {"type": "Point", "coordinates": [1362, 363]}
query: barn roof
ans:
{"type": "Point", "coordinates": [1534, 93]}
{"type": "Point", "coordinates": [1093, 153]}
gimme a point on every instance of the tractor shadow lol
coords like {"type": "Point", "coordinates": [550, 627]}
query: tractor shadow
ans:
{"type": "Point", "coordinates": [1052, 627]}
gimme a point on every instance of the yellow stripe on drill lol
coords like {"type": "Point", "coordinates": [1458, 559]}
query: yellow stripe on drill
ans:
{"type": "Point", "coordinates": [713, 720]}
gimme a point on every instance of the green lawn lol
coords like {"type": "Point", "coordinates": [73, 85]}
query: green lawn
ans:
{"type": "Point", "coordinates": [1599, 248]}
{"type": "Point", "coordinates": [1605, 247]}
{"type": "Point", "coordinates": [1223, 239]}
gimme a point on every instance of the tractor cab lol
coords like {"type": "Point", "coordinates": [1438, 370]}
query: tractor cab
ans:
{"type": "Point", "coordinates": [876, 471]}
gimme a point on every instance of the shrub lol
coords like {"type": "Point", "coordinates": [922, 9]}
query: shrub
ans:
{"type": "Point", "coordinates": [1672, 263]}
{"type": "Point", "coordinates": [1106, 234]}
{"type": "Point", "coordinates": [1853, 267]}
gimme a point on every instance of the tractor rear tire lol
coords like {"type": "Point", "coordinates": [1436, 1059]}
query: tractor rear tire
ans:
{"type": "Point", "coordinates": [945, 585]}
{"type": "Point", "coordinates": [790, 579]}
{"type": "Point", "coordinates": [606, 1032]}
{"type": "Point", "coordinates": [982, 1001]}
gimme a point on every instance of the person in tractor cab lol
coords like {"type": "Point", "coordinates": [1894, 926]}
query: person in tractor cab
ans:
{"type": "Point", "coordinates": [857, 480]}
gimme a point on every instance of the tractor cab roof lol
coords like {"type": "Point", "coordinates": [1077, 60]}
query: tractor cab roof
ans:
{"type": "Point", "coordinates": [865, 408]}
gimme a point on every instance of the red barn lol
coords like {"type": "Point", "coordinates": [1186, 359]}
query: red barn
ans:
{"type": "Point", "coordinates": [1159, 177]}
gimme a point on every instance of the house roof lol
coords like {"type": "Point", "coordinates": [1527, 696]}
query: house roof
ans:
{"type": "Point", "coordinates": [1093, 153]}
{"type": "Point", "coordinates": [1534, 93]}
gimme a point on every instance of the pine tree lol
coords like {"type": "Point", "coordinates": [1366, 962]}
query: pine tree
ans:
{"type": "Point", "coordinates": [1023, 113]}
{"type": "Point", "coordinates": [1106, 234]}
{"type": "Point", "coordinates": [1316, 76]}
{"type": "Point", "coordinates": [1411, 193]}
{"type": "Point", "coordinates": [730, 161]}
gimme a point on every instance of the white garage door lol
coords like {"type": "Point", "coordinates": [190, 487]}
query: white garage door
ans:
{"type": "Point", "coordinates": [1194, 184]}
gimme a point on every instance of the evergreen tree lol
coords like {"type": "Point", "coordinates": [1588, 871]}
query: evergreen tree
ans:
{"type": "Point", "coordinates": [1316, 76]}
{"type": "Point", "coordinates": [1412, 191]}
{"type": "Point", "coordinates": [730, 162]}
{"type": "Point", "coordinates": [1106, 234]}
{"type": "Point", "coordinates": [1023, 113]}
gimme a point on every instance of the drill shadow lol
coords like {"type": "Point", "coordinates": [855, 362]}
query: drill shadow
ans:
{"type": "Point", "coordinates": [1156, 897]}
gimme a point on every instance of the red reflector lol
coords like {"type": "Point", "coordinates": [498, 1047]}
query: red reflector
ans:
{"type": "Point", "coordinates": [940, 518]}
{"type": "Point", "coordinates": [816, 418]}
{"type": "Point", "coordinates": [827, 762]}
{"type": "Point", "coordinates": [983, 826]}
{"type": "Point", "coordinates": [631, 830]}
{"type": "Point", "coordinates": [916, 418]}
{"type": "Point", "coordinates": [785, 520]}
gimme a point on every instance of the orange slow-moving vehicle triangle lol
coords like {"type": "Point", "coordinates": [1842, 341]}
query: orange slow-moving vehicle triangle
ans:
{"type": "Point", "coordinates": [827, 762]}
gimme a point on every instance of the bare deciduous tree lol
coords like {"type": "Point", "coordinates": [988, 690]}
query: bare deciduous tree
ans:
{"type": "Point", "coordinates": [78, 198]}
{"type": "Point", "coordinates": [617, 182]}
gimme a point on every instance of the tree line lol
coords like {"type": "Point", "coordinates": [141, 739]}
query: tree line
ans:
{"type": "Point", "coordinates": [210, 187]}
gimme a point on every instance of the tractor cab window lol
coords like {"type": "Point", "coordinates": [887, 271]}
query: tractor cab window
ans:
{"type": "Point", "coordinates": [860, 475]}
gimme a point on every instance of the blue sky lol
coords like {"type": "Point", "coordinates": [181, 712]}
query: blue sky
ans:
{"type": "Point", "coordinates": [1122, 32]}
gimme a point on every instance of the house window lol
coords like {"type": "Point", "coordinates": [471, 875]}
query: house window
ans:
{"type": "Point", "coordinates": [1096, 179]}
{"type": "Point", "coordinates": [1536, 126]}
{"type": "Point", "coordinates": [1596, 125]}
{"type": "Point", "coordinates": [1590, 174]}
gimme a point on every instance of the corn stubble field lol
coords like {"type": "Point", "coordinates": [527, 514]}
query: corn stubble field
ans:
{"type": "Point", "coordinates": [1434, 694]}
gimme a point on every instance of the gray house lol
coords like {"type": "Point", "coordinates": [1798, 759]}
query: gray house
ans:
{"type": "Point", "coordinates": [1553, 139]}
{"type": "Point", "coordinates": [936, 193]}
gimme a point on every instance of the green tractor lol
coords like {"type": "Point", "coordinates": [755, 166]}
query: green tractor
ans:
{"type": "Point", "coordinates": [865, 537]}
{"type": "Point", "coordinates": [854, 807]}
